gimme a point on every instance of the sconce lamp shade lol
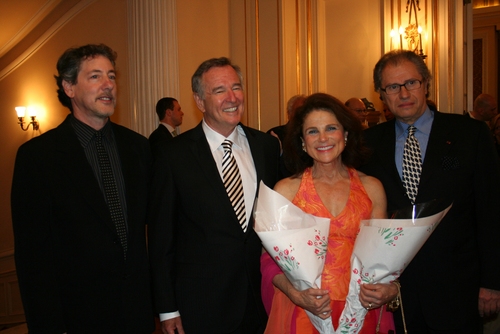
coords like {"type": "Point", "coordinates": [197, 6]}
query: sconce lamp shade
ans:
{"type": "Point", "coordinates": [21, 111]}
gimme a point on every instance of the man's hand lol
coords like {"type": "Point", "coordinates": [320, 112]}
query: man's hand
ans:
{"type": "Point", "coordinates": [489, 302]}
{"type": "Point", "coordinates": [169, 326]}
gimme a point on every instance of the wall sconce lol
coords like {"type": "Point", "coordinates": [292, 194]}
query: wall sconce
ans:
{"type": "Point", "coordinates": [413, 30]}
{"type": "Point", "coordinates": [21, 112]}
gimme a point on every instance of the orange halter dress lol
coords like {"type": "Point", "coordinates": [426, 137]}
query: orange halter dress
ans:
{"type": "Point", "coordinates": [287, 318]}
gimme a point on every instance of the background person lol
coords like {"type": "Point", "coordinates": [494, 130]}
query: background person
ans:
{"type": "Point", "coordinates": [280, 131]}
{"type": "Point", "coordinates": [485, 108]}
{"type": "Point", "coordinates": [170, 115]}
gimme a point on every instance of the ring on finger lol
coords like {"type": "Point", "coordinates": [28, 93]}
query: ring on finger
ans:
{"type": "Point", "coordinates": [369, 306]}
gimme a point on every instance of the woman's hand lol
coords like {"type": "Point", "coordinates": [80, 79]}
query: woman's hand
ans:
{"type": "Point", "coordinates": [316, 301]}
{"type": "Point", "coordinates": [375, 295]}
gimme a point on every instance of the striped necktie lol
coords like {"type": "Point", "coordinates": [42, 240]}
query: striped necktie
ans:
{"type": "Point", "coordinates": [233, 184]}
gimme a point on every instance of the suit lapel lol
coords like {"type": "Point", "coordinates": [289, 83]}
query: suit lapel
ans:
{"type": "Point", "coordinates": [387, 151]}
{"type": "Point", "coordinates": [204, 158]}
{"type": "Point", "coordinates": [440, 142]}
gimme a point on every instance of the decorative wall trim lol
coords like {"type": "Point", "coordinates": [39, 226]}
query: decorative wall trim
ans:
{"type": "Point", "coordinates": [37, 18]}
{"type": "Point", "coordinates": [11, 309]}
{"type": "Point", "coordinates": [44, 38]}
{"type": "Point", "coordinates": [153, 59]}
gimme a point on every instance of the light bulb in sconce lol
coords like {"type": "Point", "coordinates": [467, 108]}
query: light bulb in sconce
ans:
{"type": "Point", "coordinates": [21, 113]}
{"type": "Point", "coordinates": [401, 32]}
{"type": "Point", "coordinates": [31, 112]}
{"type": "Point", "coordinates": [421, 51]}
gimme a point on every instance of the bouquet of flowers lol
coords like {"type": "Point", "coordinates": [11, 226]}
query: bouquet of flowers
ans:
{"type": "Point", "coordinates": [297, 242]}
{"type": "Point", "coordinates": [383, 249]}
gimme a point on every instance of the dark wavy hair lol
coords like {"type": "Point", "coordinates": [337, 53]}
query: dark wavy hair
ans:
{"type": "Point", "coordinates": [196, 79]}
{"type": "Point", "coordinates": [68, 66]}
{"type": "Point", "coordinates": [354, 153]}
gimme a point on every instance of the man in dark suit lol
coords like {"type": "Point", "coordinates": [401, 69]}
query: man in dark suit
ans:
{"type": "Point", "coordinates": [170, 115]}
{"type": "Point", "coordinates": [81, 269]}
{"type": "Point", "coordinates": [457, 269]}
{"type": "Point", "coordinates": [205, 257]}
{"type": "Point", "coordinates": [279, 132]}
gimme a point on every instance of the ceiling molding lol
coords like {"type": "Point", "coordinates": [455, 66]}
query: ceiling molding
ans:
{"type": "Point", "coordinates": [44, 38]}
{"type": "Point", "coordinates": [28, 27]}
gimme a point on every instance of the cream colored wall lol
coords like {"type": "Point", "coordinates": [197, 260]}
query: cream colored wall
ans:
{"type": "Point", "coordinates": [33, 83]}
{"type": "Point", "coordinates": [203, 28]}
{"type": "Point", "coordinates": [353, 47]}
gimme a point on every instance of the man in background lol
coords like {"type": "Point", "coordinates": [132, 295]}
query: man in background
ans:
{"type": "Point", "coordinates": [204, 252]}
{"type": "Point", "coordinates": [424, 155]}
{"type": "Point", "coordinates": [170, 116]}
{"type": "Point", "coordinates": [79, 202]}
{"type": "Point", "coordinates": [357, 106]}
{"type": "Point", "coordinates": [279, 132]}
{"type": "Point", "coordinates": [485, 108]}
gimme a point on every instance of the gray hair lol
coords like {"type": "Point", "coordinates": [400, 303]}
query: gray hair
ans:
{"type": "Point", "coordinates": [196, 79]}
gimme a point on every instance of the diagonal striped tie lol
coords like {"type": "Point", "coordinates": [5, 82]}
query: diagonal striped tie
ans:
{"type": "Point", "coordinates": [412, 164]}
{"type": "Point", "coordinates": [232, 182]}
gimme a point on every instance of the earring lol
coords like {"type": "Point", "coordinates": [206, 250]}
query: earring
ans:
{"type": "Point", "coordinates": [304, 147]}
{"type": "Point", "coordinates": [345, 141]}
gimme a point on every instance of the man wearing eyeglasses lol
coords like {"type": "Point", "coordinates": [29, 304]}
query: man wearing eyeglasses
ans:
{"type": "Point", "coordinates": [358, 107]}
{"type": "Point", "coordinates": [453, 281]}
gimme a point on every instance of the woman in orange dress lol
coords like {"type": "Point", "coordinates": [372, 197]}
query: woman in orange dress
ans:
{"type": "Point", "coordinates": [323, 147]}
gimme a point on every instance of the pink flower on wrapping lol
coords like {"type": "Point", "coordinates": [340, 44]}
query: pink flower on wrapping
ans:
{"type": "Point", "coordinates": [316, 251]}
{"type": "Point", "coordinates": [276, 248]}
{"type": "Point", "coordinates": [317, 237]}
{"type": "Point", "coordinates": [355, 271]}
{"type": "Point", "coordinates": [310, 243]}
{"type": "Point", "coordinates": [277, 258]}
{"type": "Point", "coordinates": [285, 251]}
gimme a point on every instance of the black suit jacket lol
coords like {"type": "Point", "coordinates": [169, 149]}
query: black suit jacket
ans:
{"type": "Point", "coordinates": [281, 131]}
{"type": "Point", "coordinates": [442, 282]}
{"type": "Point", "coordinates": [69, 260]}
{"type": "Point", "coordinates": [203, 264]}
{"type": "Point", "coordinates": [159, 134]}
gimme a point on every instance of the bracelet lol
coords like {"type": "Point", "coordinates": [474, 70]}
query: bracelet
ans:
{"type": "Point", "coordinates": [394, 304]}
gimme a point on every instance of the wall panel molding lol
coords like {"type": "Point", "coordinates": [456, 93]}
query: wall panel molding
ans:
{"type": "Point", "coordinates": [11, 308]}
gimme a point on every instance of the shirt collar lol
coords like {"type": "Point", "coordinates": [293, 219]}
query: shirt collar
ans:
{"type": "Point", "coordinates": [169, 127]}
{"type": "Point", "coordinates": [85, 133]}
{"type": "Point", "coordinates": [423, 124]}
{"type": "Point", "coordinates": [215, 139]}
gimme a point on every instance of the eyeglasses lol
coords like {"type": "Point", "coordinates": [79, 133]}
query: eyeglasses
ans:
{"type": "Point", "coordinates": [396, 88]}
